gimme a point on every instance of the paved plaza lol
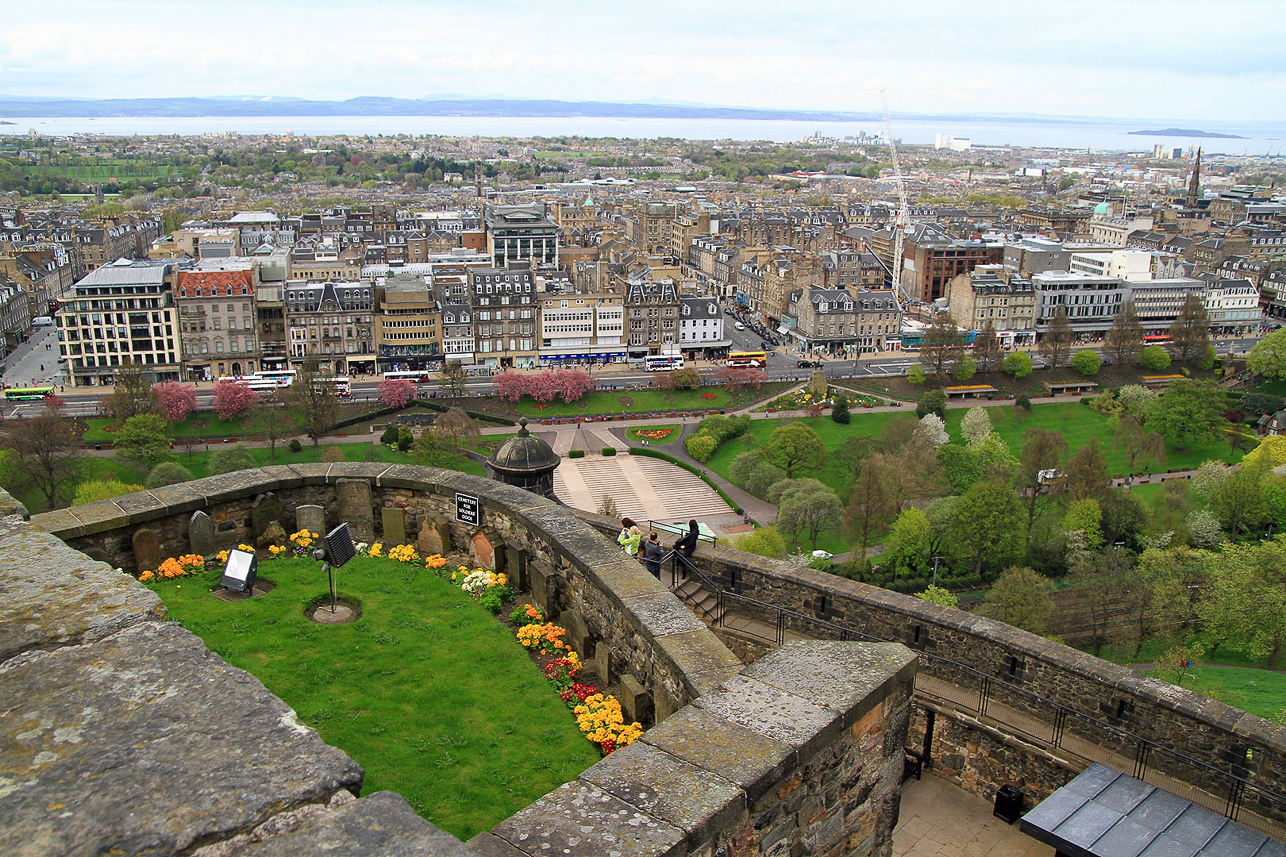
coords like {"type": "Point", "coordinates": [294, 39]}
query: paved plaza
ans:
{"type": "Point", "coordinates": [942, 820]}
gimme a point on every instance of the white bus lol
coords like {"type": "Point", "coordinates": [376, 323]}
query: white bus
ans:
{"type": "Point", "coordinates": [418, 376]}
{"type": "Point", "coordinates": [662, 362]}
{"type": "Point", "coordinates": [282, 377]}
{"type": "Point", "coordinates": [253, 381]}
{"type": "Point", "coordinates": [339, 384]}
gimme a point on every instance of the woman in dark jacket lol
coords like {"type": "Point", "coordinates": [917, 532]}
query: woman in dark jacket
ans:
{"type": "Point", "coordinates": [687, 543]}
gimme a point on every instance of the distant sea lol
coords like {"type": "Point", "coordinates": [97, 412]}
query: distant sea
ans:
{"type": "Point", "coordinates": [1260, 137]}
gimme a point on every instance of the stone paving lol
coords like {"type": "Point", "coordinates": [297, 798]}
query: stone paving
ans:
{"type": "Point", "coordinates": [645, 489]}
{"type": "Point", "coordinates": [942, 820]}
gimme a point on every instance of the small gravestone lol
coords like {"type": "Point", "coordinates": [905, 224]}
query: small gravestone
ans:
{"type": "Point", "coordinates": [435, 536]}
{"type": "Point", "coordinates": [516, 568]}
{"type": "Point", "coordinates": [201, 534]}
{"type": "Point", "coordinates": [267, 510]}
{"type": "Point", "coordinates": [274, 535]}
{"type": "Point", "coordinates": [602, 662]}
{"type": "Point", "coordinates": [481, 551]}
{"type": "Point", "coordinates": [544, 588]}
{"type": "Point", "coordinates": [578, 634]}
{"type": "Point", "coordinates": [147, 550]}
{"type": "Point", "coordinates": [311, 518]}
{"type": "Point", "coordinates": [636, 702]}
{"type": "Point", "coordinates": [393, 520]}
{"type": "Point", "coordinates": [355, 508]}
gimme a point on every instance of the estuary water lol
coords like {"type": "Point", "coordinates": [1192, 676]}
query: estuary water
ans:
{"type": "Point", "coordinates": [1261, 138]}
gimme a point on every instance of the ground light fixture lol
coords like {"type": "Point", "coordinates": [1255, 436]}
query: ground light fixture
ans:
{"type": "Point", "coordinates": [240, 571]}
{"type": "Point", "coordinates": [338, 550]}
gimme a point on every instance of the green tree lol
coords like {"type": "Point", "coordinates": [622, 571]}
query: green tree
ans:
{"type": "Point", "coordinates": [1017, 364]}
{"type": "Point", "coordinates": [1057, 341]}
{"type": "Point", "coordinates": [1268, 357]}
{"type": "Point", "coordinates": [915, 375]}
{"type": "Point", "coordinates": [1087, 363]}
{"type": "Point", "coordinates": [1022, 598]}
{"type": "Point", "coordinates": [1084, 516]}
{"type": "Point", "coordinates": [44, 453]}
{"type": "Point", "coordinates": [701, 446]}
{"type": "Point", "coordinates": [1037, 479]}
{"type": "Point", "coordinates": [810, 511]}
{"type": "Point", "coordinates": [229, 459]}
{"type": "Point", "coordinates": [143, 438]}
{"type": "Point", "coordinates": [313, 402]}
{"type": "Point", "coordinates": [1188, 414]}
{"type": "Point", "coordinates": [932, 401]}
{"type": "Point", "coordinates": [1252, 626]}
{"type": "Point", "coordinates": [795, 448]}
{"type": "Point", "coordinates": [987, 351]}
{"type": "Point", "coordinates": [1123, 517]}
{"type": "Point", "coordinates": [1142, 446]}
{"type": "Point", "coordinates": [1085, 475]}
{"type": "Point", "coordinates": [1154, 358]}
{"type": "Point", "coordinates": [167, 473]}
{"type": "Point", "coordinates": [988, 526]}
{"type": "Point", "coordinates": [1238, 501]}
{"type": "Point", "coordinates": [1124, 342]}
{"type": "Point", "coordinates": [910, 541]}
{"type": "Point", "coordinates": [941, 345]}
{"type": "Point", "coordinates": [1190, 331]}
{"type": "Point", "coordinates": [839, 409]}
{"type": "Point", "coordinates": [852, 453]}
{"type": "Point", "coordinates": [869, 510]}
{"type": "Point", "coordinates": [685, 379]}
{"type": "Point", "coordinates": [938, 595]}
{"type": "Point", "coordinates": [965, 368]}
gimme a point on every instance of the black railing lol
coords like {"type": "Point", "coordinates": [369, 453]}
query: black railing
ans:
{"type": "Point", "coordinates": [1026, 712]}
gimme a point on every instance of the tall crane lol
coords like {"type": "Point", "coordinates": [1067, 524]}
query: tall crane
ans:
{"type": "Point", "coordinates": [903, 222]}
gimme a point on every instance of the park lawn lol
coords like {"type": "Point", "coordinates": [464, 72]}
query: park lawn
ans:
{"type": "Point", "coordinates": [641, 401]}
{"type": "Point", "coordinates": [207, 425]}
{"type": "Point", "coordinates": [1261, 692]}
{"type": "Point", "coordinates": [427, 691]}
{"type": "Point", "coordinates": [676, 431]}
{"type": "Point", "coordinates": [1078, 424]}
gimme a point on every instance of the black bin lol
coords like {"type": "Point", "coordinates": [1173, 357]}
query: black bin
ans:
{"type": "Point", "coordinates": [1009, 804]}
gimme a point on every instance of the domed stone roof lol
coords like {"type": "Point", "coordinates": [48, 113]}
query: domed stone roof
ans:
{"type": "Point", "coordinates": [524, 453]}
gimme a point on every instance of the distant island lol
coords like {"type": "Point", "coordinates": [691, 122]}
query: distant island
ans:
{"type": "Point", "coordinates": [7, 122]}
{"type": "Point", "coordinates": [1187, 132]}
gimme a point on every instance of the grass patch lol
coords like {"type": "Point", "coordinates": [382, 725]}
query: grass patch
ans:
{"type": "Point", "coordinates": [427, 691]}
{"type": "Point", "coordinates": [1260, 692]}
{"type": "Point", "coordinates": [630, 402]}
{"type": "Point", "coordinates": [675, 431]}
{"type": "Point", "coordinates": [196, 425]}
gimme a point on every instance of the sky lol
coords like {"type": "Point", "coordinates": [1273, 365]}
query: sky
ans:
{"type": "Point", "coordinates": [1179, 59]}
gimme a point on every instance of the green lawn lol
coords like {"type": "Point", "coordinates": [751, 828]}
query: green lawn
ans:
{"type": "Point", "coordinates": [196, 425]}
{"type": "Point", "coordinates": [427, 691]}
{"type": "Point", "coordinates": [1260, 692]}
{"type": "Point", "coordinates": [1078, 424]}
{"type": "Point", "coordinates": [639, 401]}
{"type": "Point", "coordinates": [675, 430]}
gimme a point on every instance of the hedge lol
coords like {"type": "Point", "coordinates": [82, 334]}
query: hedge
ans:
{"type": "Point", "coordinates": [649, 452]}
{"type": "Point", "coordinates": [576, 453]}
{"type": "Point", "coordinates": [609, 450]}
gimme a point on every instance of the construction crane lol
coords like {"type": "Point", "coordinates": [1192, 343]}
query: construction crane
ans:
{"type": "Point", "coordinates": [903, 222]}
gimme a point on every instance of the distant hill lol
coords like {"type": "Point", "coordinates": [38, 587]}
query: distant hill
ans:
{"type": "Point", "coordinates": [1187, 132]}
{"type": "Point", "coordinates": [376, 106]}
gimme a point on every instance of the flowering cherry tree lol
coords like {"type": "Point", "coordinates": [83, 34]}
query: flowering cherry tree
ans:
{"type": "Point", "coordinates": [573, 384]}
{"type": "Point", "coordinates": [735, 379]}
{"type": "Point", "coordinates": [509, 385]}
{"type": "Point", "coordinates": [232, 400]}
{"type": "Point", "coordinates": [570, 385]}
{"type": "Point", "coordinates": [175, 400]}
{"type": "Point", "coordinates": [396, 392]}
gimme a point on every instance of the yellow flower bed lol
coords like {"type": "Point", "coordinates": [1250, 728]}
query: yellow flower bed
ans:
{"type": "Point", "coordinates": [600, 718]}
{"type": "Point", "coordinates": [971, 387]}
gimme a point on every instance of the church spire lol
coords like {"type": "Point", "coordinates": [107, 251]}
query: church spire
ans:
{"type": "Point", "coordinates": [1194, 184]}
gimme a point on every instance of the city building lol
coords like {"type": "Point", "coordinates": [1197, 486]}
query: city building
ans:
{"type": "Point", "coordinates": [408, 323]}
{"type": "Point", "coordinates": [840, 323]}
{"type": "Point", "coordinates": [991, 294]}
{"type": "Point", "coordinates": [503, 301]}
{"type": "Point", "coordinates": [521, 233]}
{"type": "Point", "coordinates": [120, 313]}
{"type": "Point", "coordinates": [581, 327]}
{"type": "Point", "coordinates": [331, 321]}
{"type": "Point", "coordinates": [218, 318]}
{"type": "Point", "coordinates": [15, 315]}
{"type": "Point", "coordinates": [1091, 302]}
{"type": "Point", "coordinates": [45, 270]}
{"type": "Point", "coordinates": [932, 258]}
{"type": "Point", "coordinates": [651, 316]}
{"type": "Point", "coordinates": [1233, 306]}
{"type": "Point", "coordinates": [1158, 301]}
{"type": "Point", "coordinates": [701, 329]}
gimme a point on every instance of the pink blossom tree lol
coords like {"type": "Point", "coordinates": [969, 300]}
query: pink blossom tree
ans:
{"type": "Point", "coordinates": [663, 380]}
{"type": "Point", "coordinates": [232, 400]}
{"type": "Point", "coordinates": [736, 380]}
{"type": "Point", "coordinates": [542, 386]}
{"type": "Point", "coordinates": [175, 400]}
{"type": "Point", "coordinates": [54, 404]}
{"type": "Point", "coordinates": [574, 384]}
{"type": "Point", "coordinates": [396, 392]}
{"type": "Point", "coordinates": [509, 385]}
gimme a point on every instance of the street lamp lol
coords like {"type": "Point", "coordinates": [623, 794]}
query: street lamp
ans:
{"type": "Point", "coordinates": [935, 570]}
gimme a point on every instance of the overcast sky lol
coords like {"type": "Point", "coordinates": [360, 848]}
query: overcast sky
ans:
{"type": "Point", "coordinates": [1126, 58]}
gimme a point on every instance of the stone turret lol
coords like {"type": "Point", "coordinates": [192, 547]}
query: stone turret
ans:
{"type": "Point", "coordinates": [525, 461]}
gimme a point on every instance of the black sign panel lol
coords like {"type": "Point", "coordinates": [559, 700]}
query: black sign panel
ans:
{"type": "Point", "coordinates": [468, 510]}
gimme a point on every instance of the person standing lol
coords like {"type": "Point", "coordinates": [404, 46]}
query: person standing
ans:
{"type": "Point", "coordinates": [630, 537]}
{"type": "Point", "coordinates": [687, 543]}
{"type": "Point", "coordinates": [652, 554]}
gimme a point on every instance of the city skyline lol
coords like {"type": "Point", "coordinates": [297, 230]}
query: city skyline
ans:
{"type": "Point", "coordinates": [1143, 60]}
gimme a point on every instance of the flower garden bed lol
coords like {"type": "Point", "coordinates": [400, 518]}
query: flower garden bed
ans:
{"type": "Point", "coordinates": [655, 435]}
{"type": "Point", "coordinates": [799, 400]}
{"type": "Point", "coordinates": [426, 691]}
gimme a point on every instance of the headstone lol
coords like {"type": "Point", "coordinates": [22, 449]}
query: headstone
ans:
{"type": "Point", "coordinates": [311, 518]}
{"type": "Point", "coordinates": [435, 536]}
{"type": "Point", "coordinates": [481, 551]}
{"type": "Point", "coordinates": [578, 635]}
{"type": "Point", "coordinates": [636, 702]}
{"type": "Point", "coordinates": [355, 508]}
{"type": "Point", "coordinates": [544, 588]}
{"type": "Point", "coordinates": [266, 510]}
{"type": "Point", "coordinates": [147, 549]}
{"type": "Point", "coordinates": [603, 662]}
{"type": "Point", "coordinates": [274, 535]}
{"type": "Point", "coordinates": [201, 534]}
{"type": "Point", "coordinates": [516, 568]}
{"type": "Point", "coordinates": [393, 520]}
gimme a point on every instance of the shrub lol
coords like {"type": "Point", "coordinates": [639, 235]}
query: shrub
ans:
{"type": "Point", "coordinates": [1154, 358]}
{"type": "Point", "coordinates": [701, 447]}
{"type": "Point", "coordinates": [227, 459]}
{"type": "Point", "coordinates": [389, 437]}
{"type": "Point", "coordinates": [576, 453]}
{"type": "Point", "coordinates": [1017, 363]}
{"type": "Point", "coordinates": [932, 401]}
{"type": "Point", "coordinates": [839, 410]}
{"type": "Point", "coordinates": [915, 375]}
{"type": "Point", "coordinates": [1206, 359]}
{"type": "Point", "coordinates": [294, 445]}
{"type": "Point", "coordinates": [102, 489]}
{"type": "Point", "coordinates": [685, 379]}
{"type": "Point", "coordinates": [965, 369]}
{"type": "Point", "coordinates": [405, 439]}
{"type": "Point", "coordinates": [1023, 401]}
{"type": "Point", "coordinates": [1087, 362]}
{"type": "Point", "coordinates": [765, 541]}
{"type": "Point", "coordinates": [1259, 404]}
{"type": "Point", "coordinates": [609, 450]}
{"type": "Point", "coordinates": [167, 473]}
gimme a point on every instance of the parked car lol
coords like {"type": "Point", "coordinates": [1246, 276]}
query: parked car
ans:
{"type": "Point", "coordinates": [740, 326]}
{"type": "Point", "coordinates": [805, 363]}
{"type": "Point", "coordinates": [821, 554]}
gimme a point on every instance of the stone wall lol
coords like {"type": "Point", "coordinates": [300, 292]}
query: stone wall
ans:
{"type": "Point", "coordinates": [1186, 722]}
{"type": "Point", "coordinates": [800, 752]}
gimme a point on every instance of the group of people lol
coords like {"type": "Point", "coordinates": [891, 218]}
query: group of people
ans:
{"type": "Point", "coordinates": [652, 551]}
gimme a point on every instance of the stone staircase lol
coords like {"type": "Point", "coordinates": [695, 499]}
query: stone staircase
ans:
{"type": "Point", "coordinates": [643, 488]}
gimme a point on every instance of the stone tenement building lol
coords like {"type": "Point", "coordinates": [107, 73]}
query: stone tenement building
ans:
{"type": "Point", "coordinates": [218, 318]}
{"type": "Point", "coordinates": [333, 322]}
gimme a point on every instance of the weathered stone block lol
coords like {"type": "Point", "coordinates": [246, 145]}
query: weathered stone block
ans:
{"type": "Point", "coordinates": [201, 534]}
{"type": "Point", "coordinates": [581, 820]}
{"type": "Point", "coordinates": [545, 588]}
{"type": "Point", "coordinates": [147, 549]}
{"type": "Point", "coordinates": [516, 568]}
{"type": "Point", "coordinates": [382, 824]}
{"type": "Point", "coordinates": [54, 596]}
{"type": "Point", "coordinates": [435, 536]}
{"type": "Point", "coordinates": [354, 497]}
{"type": "Point", "coordinates": [310, 517]}
{"type": "Point", "coordinates": [266, 511]}
{"type": "Point", "coordinates": [636, 702]}
{"type": "Point", "coordinates": [481, 551]}
{"type": "Point", "coordinates": [578, 633]}
{"type": "Point", "coordinates": [393, 522]}
{"type": "Point", "coordinates": [602, 663]}
{"type": "Point", "coordinates": [775, 713]}
{"type": "Point", "coordinates": [90, 734]}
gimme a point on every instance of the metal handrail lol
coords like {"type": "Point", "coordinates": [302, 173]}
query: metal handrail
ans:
{"type": "Point", "coordinates": [1143, 747]}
